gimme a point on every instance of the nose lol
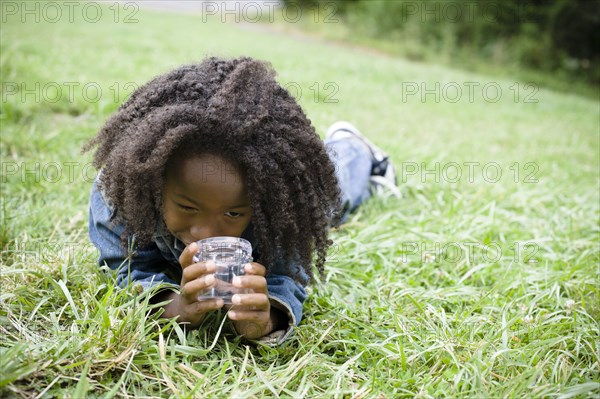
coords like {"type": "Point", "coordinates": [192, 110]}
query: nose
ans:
{"type": "Point", "coordinates": [205, 230]}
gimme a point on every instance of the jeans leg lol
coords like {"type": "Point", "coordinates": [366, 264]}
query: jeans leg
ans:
{"type": "Point", "coordinates": [353, 163]}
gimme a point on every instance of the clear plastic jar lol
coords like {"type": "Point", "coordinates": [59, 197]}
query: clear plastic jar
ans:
{"type": "Point", "coordinates": [230, 254]}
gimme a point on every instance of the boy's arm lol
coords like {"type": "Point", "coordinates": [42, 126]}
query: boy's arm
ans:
{"type": "Point", "coordinates": [286, 298]}
{"type": "Point", "coordinates": [145, 266]}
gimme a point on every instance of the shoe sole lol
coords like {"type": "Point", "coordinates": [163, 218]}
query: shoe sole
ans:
{"type": "Point", "coordinates": [348, 127]}
{"type": "Point", "coordinates": [377, 181]}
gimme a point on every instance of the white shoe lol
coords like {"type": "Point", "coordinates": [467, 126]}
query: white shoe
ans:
{"type": "Point", "coordinates": [383, 175]}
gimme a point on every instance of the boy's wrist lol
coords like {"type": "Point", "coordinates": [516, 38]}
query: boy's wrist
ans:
{"type": "Point", "coordinates": [278, 320]}
{"type": "Point", "coordinates": [173, 310]}
{"type": "Point", "coordinates": [170, 309]}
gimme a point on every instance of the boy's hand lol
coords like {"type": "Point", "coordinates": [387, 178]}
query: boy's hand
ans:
{"type": "Point", "coordinates": [195, 278]}
{"type": "Point", "coordinates": [251, 313]}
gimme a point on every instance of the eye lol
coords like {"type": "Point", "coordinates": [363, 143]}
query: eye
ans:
{"type": "Point", "coordinates": [234, 215]}
{"type": "Point", "coordinates": [186, 208]}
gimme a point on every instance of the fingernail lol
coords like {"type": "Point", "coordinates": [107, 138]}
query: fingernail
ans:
{"type": "Point", "coordinates": [248, 267]}
{"type": "Point", "coordinates": [232, 314]}
{"type": "Point", "coordinates": [236, 299]}
{"type": "Point", "coordinates": [236, 281]}
{"type": "Point", "coordinates": [209, 279]}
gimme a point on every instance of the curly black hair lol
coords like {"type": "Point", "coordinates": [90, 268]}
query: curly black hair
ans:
{"type": "Point", "coordinates": [233, 108]}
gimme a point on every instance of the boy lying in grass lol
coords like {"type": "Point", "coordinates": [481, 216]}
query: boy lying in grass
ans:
{"type": "Point", "coordinates": [221, 149]}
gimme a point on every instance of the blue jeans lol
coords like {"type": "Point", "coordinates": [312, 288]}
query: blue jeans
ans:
{"type": "Point", "coordinates": [353, 163]}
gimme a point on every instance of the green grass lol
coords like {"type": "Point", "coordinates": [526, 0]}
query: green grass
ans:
{"type": "Point", "coordinates": [477, 289]}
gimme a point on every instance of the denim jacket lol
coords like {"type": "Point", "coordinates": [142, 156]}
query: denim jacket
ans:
{"type": "Point", "coordinates": [158, 264]}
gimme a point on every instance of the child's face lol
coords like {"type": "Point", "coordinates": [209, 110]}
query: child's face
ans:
{"type": "Point", "coordinates": [204, 197]}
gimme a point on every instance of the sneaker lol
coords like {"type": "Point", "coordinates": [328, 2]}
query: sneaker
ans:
{"type": "Point", "coordinates": [383, 175]}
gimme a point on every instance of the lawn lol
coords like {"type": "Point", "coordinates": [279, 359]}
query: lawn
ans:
{"type": "Point", "coordinates": [482, 281]}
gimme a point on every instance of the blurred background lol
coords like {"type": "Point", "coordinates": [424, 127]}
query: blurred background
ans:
{"type": "Point", "coordinates": [558, 37]}
{"type": "Point", "coordinates": [554, 42]}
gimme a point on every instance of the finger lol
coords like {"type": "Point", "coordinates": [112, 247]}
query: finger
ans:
{"type": "Point", "coordinates": [196, 270]}
{"type": "Point", "coordinates": [255, 268]}
{"type": "Point", "coordinates": [249, 315]}
{"type": "Point", "coordinates": [257, 283]}
{"type": "Point", "coordinates": [191, 289]}
{"type": "Point", "coordinates": [256, 300]}
{"type": "Point", "coordinates": [207, 305]}
{"type": "Point", "coordinates": [185, 259]}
